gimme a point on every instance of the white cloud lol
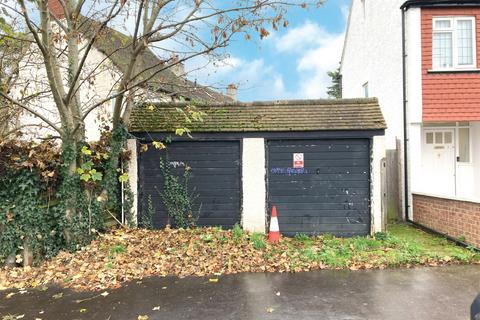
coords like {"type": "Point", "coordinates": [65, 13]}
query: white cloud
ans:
{"type": "Point", "coordinates": [316, 51]}
{"type": "Point", "coordinates": [311, 49]}
{"type": "Point", "coordinates": [314, 64]}
{"type": "Point", "coordinates": [302, 37]}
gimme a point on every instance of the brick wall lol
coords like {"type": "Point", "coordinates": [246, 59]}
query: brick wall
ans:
{"type": "Point", "coordinates": [452, 217]}
{"type": "Point", "coordinates": [449, 96]}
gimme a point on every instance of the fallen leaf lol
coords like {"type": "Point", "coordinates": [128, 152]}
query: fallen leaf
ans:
{"type": "Point", "coordinates": [104, 294]}
{"type": "Point", "coordinates": [82, 310]}
{"type": "Point", "coordinates": [270, 310]}
{"type": "Point", "coordinates": [58, 295]}
{"type": "Point", "coordinates": [11, 294]}
{"type": "Point", "coordinates": [157, 308]}
{"type": "Point", "coordinates": [214, 280]}
{"type": "Point", "coordinates": [278, 293]}
{"type": "Point", "coordinates": [142, 317]}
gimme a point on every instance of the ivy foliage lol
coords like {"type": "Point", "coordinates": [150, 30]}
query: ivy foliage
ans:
{"type": "Point", "coordinates": [177, 197]}
{"type": "Point", "coordinates": [46, 206]}
{"type": "Point", "coordinates": [28, 216]}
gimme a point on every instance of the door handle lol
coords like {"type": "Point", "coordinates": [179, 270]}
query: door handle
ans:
{"type": "Point", "coordinates": [458, 158]}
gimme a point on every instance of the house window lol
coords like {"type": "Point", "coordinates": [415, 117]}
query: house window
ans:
{"type": "Point", "coordinates": [453, 43]}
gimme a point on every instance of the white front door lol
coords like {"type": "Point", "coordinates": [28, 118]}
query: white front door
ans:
{"type": "Point", "coordinates": [439, 161]}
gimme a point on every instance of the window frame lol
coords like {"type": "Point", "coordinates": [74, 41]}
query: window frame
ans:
{"type": "Point", "coordinates": [456, 126]}
{"type": "Point", "coordinates": [366, 93]}
{"type": "Point", "coordinates": [454, 31]}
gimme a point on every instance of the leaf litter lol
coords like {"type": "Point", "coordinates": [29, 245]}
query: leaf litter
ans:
{"type": "Point", "coordinates": [132, 254]}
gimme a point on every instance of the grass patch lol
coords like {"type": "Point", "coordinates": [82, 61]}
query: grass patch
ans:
{"type": "Point", "coordinates": [258, 240]}
{"type": "Point", "coordinates": [237, 233]}
{"type": "Point", "coordinates": [116, 250]}
{"type": "Point", "coordinates": [431, 245]}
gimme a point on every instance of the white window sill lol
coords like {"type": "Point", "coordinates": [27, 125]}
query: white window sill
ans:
{"type": "Point", "coordinates": [453, 70]}
{"type": "Point", "coordinates": [443, 196]}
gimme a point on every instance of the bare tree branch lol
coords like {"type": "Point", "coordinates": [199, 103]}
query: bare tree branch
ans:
{"type": "Point", "coordinates": [40, 116]}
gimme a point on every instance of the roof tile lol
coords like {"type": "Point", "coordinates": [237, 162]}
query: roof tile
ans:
{"type": "Point", "coordinates": [285, 115]}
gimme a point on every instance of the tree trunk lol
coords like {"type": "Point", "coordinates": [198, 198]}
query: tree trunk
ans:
{"type": "Point", "coordinates": [27, 255]}
{"type": "Point", "coordinates": [70, 154]}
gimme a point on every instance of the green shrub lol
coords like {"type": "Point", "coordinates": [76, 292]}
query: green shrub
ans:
{"type": "Point", "coordinates": [237, 233]}
{"type": "Point", "coordinates": [258, 240]}
{"type": "Point", "coordinates": [382, 236]}
{"type": "Point", "coordinates": [206, 237]}
{"type": "Point", "coordinates": [302, 237]}
{"type": "Point", "coordinates": [116, 250]}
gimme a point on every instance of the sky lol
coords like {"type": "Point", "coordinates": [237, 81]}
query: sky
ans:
{"type": "Point", "coordinates": [291, 63]}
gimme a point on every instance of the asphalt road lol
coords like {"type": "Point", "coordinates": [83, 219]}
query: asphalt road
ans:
{"type": "Point", "coordinates": [423, 293]}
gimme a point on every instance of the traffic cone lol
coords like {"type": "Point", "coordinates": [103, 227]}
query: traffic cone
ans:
{"type": "Point", "coordinates": [274, 233]}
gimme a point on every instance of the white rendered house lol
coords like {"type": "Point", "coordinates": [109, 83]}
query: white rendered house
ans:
{"type": "Point", "coordinates": [420, 58]}
{"type": "Point", "coordinates": [104, 66]}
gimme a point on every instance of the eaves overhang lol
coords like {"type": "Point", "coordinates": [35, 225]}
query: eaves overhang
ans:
{"type": "Point", "coordinates": [439, 3]}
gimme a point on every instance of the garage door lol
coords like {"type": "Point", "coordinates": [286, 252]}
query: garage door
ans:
{"type": "Point", "coordinates": [215, 178]}
{"type": "Point", "coordinates": [327, 192]}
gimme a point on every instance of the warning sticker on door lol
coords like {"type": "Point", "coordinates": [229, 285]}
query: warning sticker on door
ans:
{"type": "Point", "coordinates": [298, 160]}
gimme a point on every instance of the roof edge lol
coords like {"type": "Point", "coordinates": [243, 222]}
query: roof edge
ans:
{"type": "Point", "coordinates": [438, 3]}
{"type": "Point", "coordinates": [270, 103]}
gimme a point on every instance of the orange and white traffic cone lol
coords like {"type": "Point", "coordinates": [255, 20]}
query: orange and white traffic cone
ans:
{"type": "Point", "coordinates": [274, 233]}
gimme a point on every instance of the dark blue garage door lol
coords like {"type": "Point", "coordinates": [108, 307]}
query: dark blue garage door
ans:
{"type": "Point", "coordinates": [329, 192]}
{"type": "Point", "coordinates": [215, 178]}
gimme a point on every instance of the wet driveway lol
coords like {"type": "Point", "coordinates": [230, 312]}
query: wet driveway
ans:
{"type": "Point", "coordinates": [424, 293]}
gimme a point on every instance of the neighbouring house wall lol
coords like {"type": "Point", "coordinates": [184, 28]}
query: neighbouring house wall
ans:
{"type": "Point", "coordinates": [99, 79]}
{"type": "Point", "coordinates": [413, 83]}
{"type": "Point", "coordinates": [452, 217]}
{"type": "Point", "coordinates": [254, 184]}
{"type": "Point", "coordinates": [33, 79]}
{"type": "Point", "coordinates": [449, 96]}
{"type": "Point", "coordinates": [373, 54]}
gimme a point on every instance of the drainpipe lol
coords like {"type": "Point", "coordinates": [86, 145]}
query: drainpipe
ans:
{"type": "Point", "coordinates": [405, 134]}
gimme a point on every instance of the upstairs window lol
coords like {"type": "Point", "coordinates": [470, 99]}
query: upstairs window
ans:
{"type": "Point", "coordinates": [453, 43]}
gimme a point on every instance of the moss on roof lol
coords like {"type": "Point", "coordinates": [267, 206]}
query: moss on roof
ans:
{"type": "Point", "coordinates": [285, 115]}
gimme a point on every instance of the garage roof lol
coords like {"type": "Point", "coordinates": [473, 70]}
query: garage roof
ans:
{"type": "Point", "coordinates": [284, 115]}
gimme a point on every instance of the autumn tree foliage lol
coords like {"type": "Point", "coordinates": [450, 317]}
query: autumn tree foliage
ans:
{"type": "Point", "coordinates": [60, 48]}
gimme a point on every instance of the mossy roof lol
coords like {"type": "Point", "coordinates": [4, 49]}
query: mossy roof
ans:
{"type": "Point", "coordinates": [285, 115]}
